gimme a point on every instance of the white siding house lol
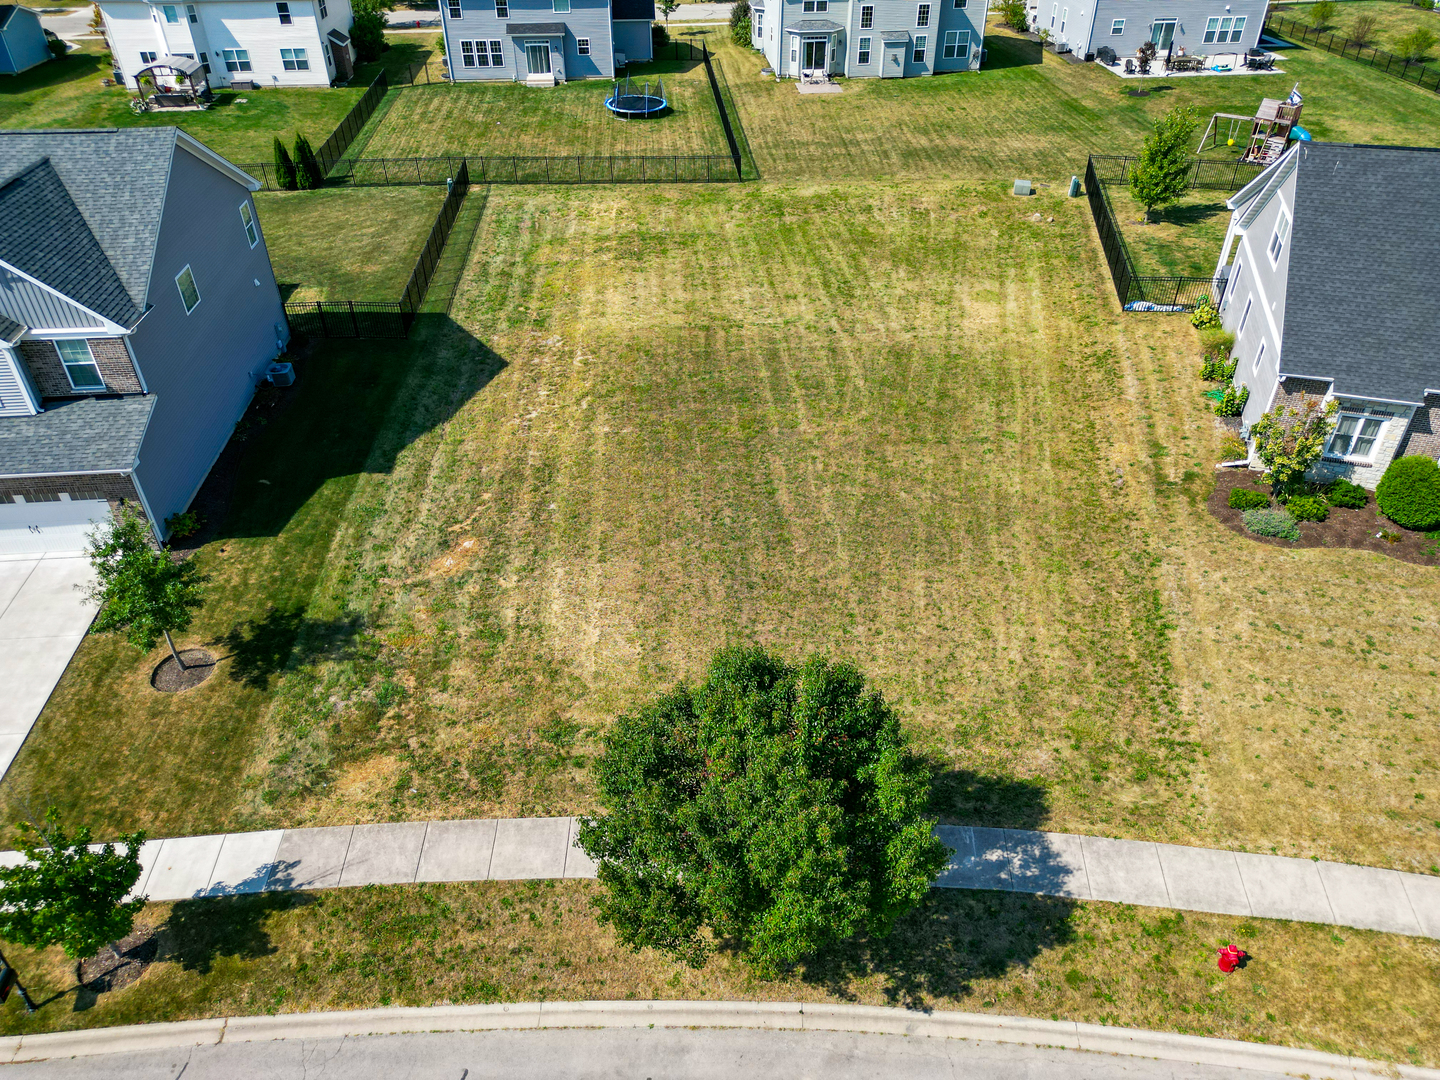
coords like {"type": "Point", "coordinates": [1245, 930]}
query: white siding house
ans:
{"type": "Point", "coordinates": [264, 42]}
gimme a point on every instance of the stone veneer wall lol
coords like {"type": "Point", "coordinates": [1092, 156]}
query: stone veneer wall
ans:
{"type": "Point", "coordinates": [111, 357]}
{"type": "Point", "coordinates": [1423, 436]}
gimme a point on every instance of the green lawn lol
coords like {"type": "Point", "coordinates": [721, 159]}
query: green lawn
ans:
{"type": "Point", "coordinates": [347, 244]}
{"type": "Point", "coordinates": [240, 125]}
{"type": "Point", "coordinates": [1033, 114]}
{"type": "Point", "coordinates": [1392, 19]}
{"type": "Point", "coordinates": [1184, 239]}
{"type": "Point", "coordinates": [505, 118]}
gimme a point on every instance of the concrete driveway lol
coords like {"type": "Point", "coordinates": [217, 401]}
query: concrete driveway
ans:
{"type": "Point", "coordinates": [43, 618]}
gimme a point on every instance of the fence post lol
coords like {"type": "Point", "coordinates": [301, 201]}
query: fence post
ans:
{"type": "Point", "coordinates": [354, 323]}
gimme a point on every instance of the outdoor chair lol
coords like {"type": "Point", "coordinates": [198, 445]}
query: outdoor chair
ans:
{"type": "Point", "coordinates": [1129, 66]}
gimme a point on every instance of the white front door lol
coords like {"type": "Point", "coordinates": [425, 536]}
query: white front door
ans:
{"type": "Point", "coordinates": [42, 527]}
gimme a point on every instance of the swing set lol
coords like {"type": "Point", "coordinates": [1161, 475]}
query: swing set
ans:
{"type": "Point", "coordinates": [1272, 128]}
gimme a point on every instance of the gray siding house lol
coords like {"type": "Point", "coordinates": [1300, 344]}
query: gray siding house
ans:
{"type": "Point", "coordinates": [544, 42]}
{"type": "Point", "coordinates": [1329, 277]}
{"type": "Point", "coordinates": [138, 312]}
{"type": "Point", "coordinates": [888, 39]}
{"type": "Point", "coordinates": [1199, 27]}
{"type": "Point", "coordinates": [22, 40]}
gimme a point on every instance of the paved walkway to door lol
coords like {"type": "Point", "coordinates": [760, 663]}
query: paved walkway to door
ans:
{"type": "Point", "coordinates": [1046, 864]}
{"type": "Point", "coordinates": [43, 618]}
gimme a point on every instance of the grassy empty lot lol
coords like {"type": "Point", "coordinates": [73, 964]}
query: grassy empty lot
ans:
{"type": "Point", "coordinates": [343, 244]}
{"type": "Point", "coordinates": [1183, 239]}
{"type": "Point", "coordinates": [1392, 19]}
{"type": "Point", "coordinates": [1028, 113]}
{"type": "Point", "coordinates": [67, 93]}
{"type": "Point", "coordinates": [510, 118]}
{"type": "Point", "coordinates": [1346, 991]}
{"type": "Point", "coordinates": [674, 419]}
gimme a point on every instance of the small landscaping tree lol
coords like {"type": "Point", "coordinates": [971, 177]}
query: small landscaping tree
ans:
{"type": "Point", "coordinates": [1362, 30]}
{"type": "Point", "coordinates": [667, 8]}
{"type": "Point", "coordinates": [1161, 174]}
{"type": "Point", "coordinates": [780, 807]}
{"type": "Point", "coordinates": [1014, 15]}
{"type": "Point", "coordinates": [1288, 440]}
{"type": "Point", "coordinates": [285, 175]}
{"type": "Point", "coordinates": [311, 176]}
{"type": "Point", "coordinates": [1415, 45]}
{"type": "Point", "coordinates": [68, 895]}
{"type": "Point", "coordinates": [1145, 56]}
{"type": "Point", "coordinates": [367, 28]}
{"type": "Point", "coordinates": [140, 590]}
{"type": "Point", "coordinates": [1322, 13]}
{"type": "Point", "coordinates": [1409, 493]}
{"type": "Point", "coordinates": [741, 27]}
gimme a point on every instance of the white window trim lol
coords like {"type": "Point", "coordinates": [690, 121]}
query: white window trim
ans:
{"type": "Point", "coordinates": [286, 17]}
{"type": "Point", "coordinates": [1271, 251]}
{"type": "Point", "coordinates": [1259, 356]}
{"type": "Point", "coordinates": [1117, 27]}
{"type": "Point", "coordinates": [502, 9]}
{"type": "Point", "coordinates": [582, 46]}
{"type": "Point", "coordinates": [867, 16]}
{"type": "Point", "coordinates": [920, 47]}
{"type": "Point", "coordinates": [1245, 315]}
{"type": "Point", "coordinates": [194, 284]}
{"type": "Point", "coordinates": [67, 365]}
{"type": "Point", "coordinates": [560, 7]}
{"type": "Point", "coordinates": [1360, 418]}
{"type": "Point", "coordinates": [922, 16]}
{"type": "Point", "coordinates": [863, 50]}
{"type": "Point", "coordinates": [247, 218]}
{"type": "Point", "coordinates": [453, 9]}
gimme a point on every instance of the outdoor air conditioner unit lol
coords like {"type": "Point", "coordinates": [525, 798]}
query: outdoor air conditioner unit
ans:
{"type": "Point", "coordinates": [280, 375]}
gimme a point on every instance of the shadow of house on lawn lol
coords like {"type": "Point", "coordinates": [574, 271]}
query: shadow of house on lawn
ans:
{"type": "Point", "coordinates": [1008, 51]}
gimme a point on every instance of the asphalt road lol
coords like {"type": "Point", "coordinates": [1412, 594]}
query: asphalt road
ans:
{"type": "Point", "coordinates": [622, 1054]}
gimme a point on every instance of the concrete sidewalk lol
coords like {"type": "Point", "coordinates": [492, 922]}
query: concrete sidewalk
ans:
{"type": "Point", "coordinates": [1044, 864]}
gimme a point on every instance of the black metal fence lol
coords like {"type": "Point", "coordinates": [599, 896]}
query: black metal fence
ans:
{"type": "Point", "coordinates": [1137, 292]}
{"type": "Point", "coordinates": [720, 107]}
{"type": "Point", "coordinates": [1411, 71]}
{"type": "Point", "coordinates": [333, 148]}
{"type": "Point", "coordinates": [420, 74]}
{"type": "Point", "coordinates": [348, 318]}
{"type": "Point", "coordinates": [435, 244]}
{"type": "Point", "coordinates": [1207, 174]}
{"type": "Point", "coordinates": [497, 169]}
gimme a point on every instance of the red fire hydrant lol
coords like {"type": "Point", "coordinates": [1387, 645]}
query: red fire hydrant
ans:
{"type": "Point", "coordinates": [1230, 958]}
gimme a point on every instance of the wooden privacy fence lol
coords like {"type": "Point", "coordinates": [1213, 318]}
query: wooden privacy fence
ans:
{"type": "Point", "coordinates": [384, 318]}
{"type": "Point", "coordinates": [1411, 71]}
{"type": "Point", "coordinates": [1137, 292]}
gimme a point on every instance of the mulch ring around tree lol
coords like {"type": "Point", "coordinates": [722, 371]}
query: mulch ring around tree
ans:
{"type": "Point", "coordinates": [105, 971]}
{"type": "Point", "coordinates": [170, 678]}
{"type": "Point", "coordinates": [1360, 529]}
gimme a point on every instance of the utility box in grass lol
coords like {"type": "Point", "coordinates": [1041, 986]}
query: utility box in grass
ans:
{"type": "Point", "coordinates": [1022, 187]}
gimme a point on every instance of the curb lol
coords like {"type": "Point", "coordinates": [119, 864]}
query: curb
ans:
{"type": "Point", "coordinates": [767, 1016]}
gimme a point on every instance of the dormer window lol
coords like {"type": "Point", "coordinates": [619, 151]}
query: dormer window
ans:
{"type": "Point", "coordinates": [80, 366]}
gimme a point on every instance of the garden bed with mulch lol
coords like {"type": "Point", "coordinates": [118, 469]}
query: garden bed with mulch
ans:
{"type": "Point", "coordinates": [170, 678]}
{"type": "Point", "coordinates": [107, 971]}
{"type": "Point", "coordinates": [1344, 528]}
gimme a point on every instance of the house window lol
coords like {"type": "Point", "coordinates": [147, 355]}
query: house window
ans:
{"type": "Point", "coordinates": [1220, 30]}
{"type": "Point", "coordinates": [1277, 238]}
{"type": "Point", "coordinates": [1054, 10]}
{"type": "Point", "coordinates": [147, 58]}
{"type": "Point", "coordinates": [1355, 436]}
{"type": "Point", "coordinates": [294, 60]}
{"type": "Point", "coordinates": [793, 56]}
{"type": "Point", "coordinates": [237, 59]}
{"type": "Point", "coordinates": [1259, 356]}
{"type": "Point", "coordinates": [1230, 288]}
{"type": "Point", "coordinates": [862, 57]}
{"type": "Point", "coordinates": [497, 54]}
{"type": "Point", "coordinates": [961, 3]}
{"type": "Point", "coordinates": [247, 218]}
{"type": "Point", "coordinates": [204, 64]}
{"type": "Point", "coordinates": [80, 365]}
{"type": "Point", "coordinates": [324, 11]}
{"type": "Point", "coordinates": [467, 55]}
{"type": "Point", "coordinates": [1245, 315]}
{"type": "Point", "coordinates": [867, 17]}
{"type": "Point", "coordinates": [918, 56]}
{"type": "Point", "coordinates": [1117, 27]}
{"type": "Point", "coordinates": [817, 5]}
{"type": "Point", "coordinates": [1064, 15]}
{"type": "Point", "coordinates": [191, 13]}
{"type": "Point", "coordinates": [760, 25]}
{"type": "Point", "coordinates": [922, 15]}
{"type": "Point", "coordinates": [189, 294]}
{"type": "Point", "coordinates": [562, 7]}
{"type": "Point", "coordinates": [329, 60]}
{"type": "Point", "coordinates": [171, 14]}
{"type": "Point", "coordinates": [283, 10]}
{"type": "Point", "coordinates": [502, 9]}
{"type": "Point", "coordinates": [582, 46]}
{"type": "Point", "coordinates": [454, 9]}
{"type": "Point", "coordinates": [1238, 28]}
{"type": "Point", "coordinates": [957, 45]}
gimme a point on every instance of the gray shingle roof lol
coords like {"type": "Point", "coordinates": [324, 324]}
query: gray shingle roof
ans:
{"type": "Point", "coordinates": [44, 235]}
{"type": "Point", "coordinates": [81, 435]}
{"type": "Point", "coordinates": [116, 179]}
{"type": "Point", "coordinates": [894, 35]}
{"type": "Point", "coordinates": [814, 26]}
{"type": "Point", "coordinates": [539, 29]}
{"type": "Point", "coordinates": [1360, 301]}
{"type": "Point", "coordinates": [10, 330]}
{"type": "Point", "coordinates": [633, 9]}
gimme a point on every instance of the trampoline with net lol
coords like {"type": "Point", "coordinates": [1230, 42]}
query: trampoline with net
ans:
{"type": "Point", "coordinates": [629, 101]}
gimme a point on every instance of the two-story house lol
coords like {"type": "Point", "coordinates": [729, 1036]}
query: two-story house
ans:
{"type": "Point", "coordinates": [237, 42]}
{"type": "Point", "coordinates": [887, 39]}
{"type": "Point", "coordinates": [544, 42]}
{"type": "Point", "coordinates": [1196, 27]}
{"type": "Point", "coordinates": [1329, 277]}
{"type": "Point", "coordinates": [22, 40]}
{"type": "Point", "coordinates": [138, 313]}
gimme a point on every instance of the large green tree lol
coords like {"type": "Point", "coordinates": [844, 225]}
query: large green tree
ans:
{"type": "Point", "coordinates": [141, 591]}
{"type": "Point", "coordinates": [66, 894]}
{"type": "Point", "coordinates": [367, 28]}
{"type": "Point", "coordinates": [779, 807]}
{"type": "Point", "coordinates": [1161, 174]}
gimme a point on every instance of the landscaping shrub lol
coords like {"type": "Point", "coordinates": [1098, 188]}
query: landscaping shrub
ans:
{"type": "Point", "coordinates": [1308, 508]}
{"type": "Point", "coordinates": [1233, 448]}
{"type": "Point", "coordinates": [1246, 499]}
{"type": "Point", "coordinates": [1216, 341]}
{"type": "Point", "coordinates": [1342, 492]}
{"type": "Point", "coordinates": [1271, 523]}
{"type": "Point", "coordinates": [1362, 30]}
{"type": "Point", "coordinates": [1409, 493]}
{"type": "Point", "coordinates": [1013, 14]}
{"type": "Point", "coordinates": [1416, 44]}
{"type": "Point", "coordinates": [183, 525]}
{"type": "Point", "coordinates": [1206, 314]}
{"type": "Point", "coordinates": [740, 23]}
{"type": "Point", "coordinates": [659, 37]}
{"type": "Point", "coordinates": [311, 176]}
{"type": "Point", "coordinates": [285, 175]}
{"type": "Point", "coordinates": [1288, 440]}
{"type": "Point", "coordinates": [1217, 368]}
{"type": "Point", "coordinates": [57, 47]}
{"type": "Point", "coordinates": [1233, 403]}
{"type": "Point", "coordinates": [1322, 13]}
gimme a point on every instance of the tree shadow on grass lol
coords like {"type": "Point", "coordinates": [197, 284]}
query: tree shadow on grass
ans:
{"type": "Point", "coordinates": [1192, 214]}
{"type": "Point", "coordinates": [200, 932]}
{"type": "Point", "coordinates": [261, 648]}
{"type": "Point", "coordinates": [936, 952]}
{"type": "Point", "coordinates": [960, 797]}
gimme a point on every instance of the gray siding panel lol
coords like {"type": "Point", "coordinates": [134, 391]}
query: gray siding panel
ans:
{"type": "Point", "coordinates": [632, 37]}
{"type": "Point", "coordinates": [32, 306]}
{"type": "Point", "coordinates": [479, 22]}
{"type": "Point", "coordinates": [1088, 33]}
{"type": "Point", "coordinates": [202, 367]}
